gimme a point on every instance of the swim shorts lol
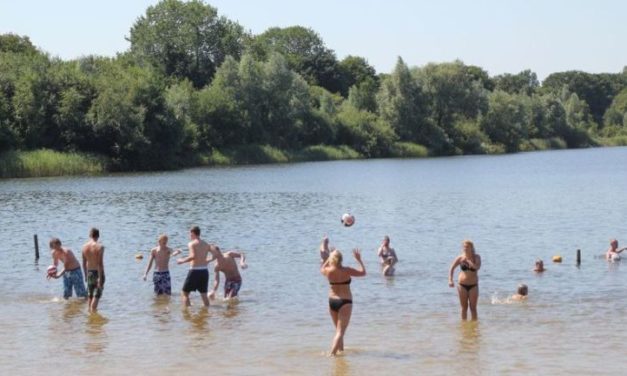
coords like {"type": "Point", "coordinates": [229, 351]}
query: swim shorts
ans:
{"type": "Point", "coordinates": [92, 284]}
{"type": "Point", "coordinates": [232, 286]}
{"type": "Point", "coordinates": [74, 279]}
{"type": "Point", "coordinates": [163, 284]}
{"type": "Point", "coordinates": [197, 280]}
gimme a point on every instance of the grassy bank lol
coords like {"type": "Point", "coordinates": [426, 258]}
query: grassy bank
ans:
{"type": "Point", "coordinates": [620, 140]}
{"type": "Point", "coordinates": [39, 163]}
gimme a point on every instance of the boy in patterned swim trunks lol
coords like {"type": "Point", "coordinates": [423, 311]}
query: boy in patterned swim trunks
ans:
{"type": "Point", "coordinates": [225, 263]}
{"type": "Point", "coordinates": [72, 275]}
{"type": "Point", "coordinates": [93, 265]}
{"type": "Point", "coordinates": [161, 256]}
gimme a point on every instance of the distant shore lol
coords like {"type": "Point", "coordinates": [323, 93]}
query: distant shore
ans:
{"type": "Point", "coordinates": [49, 163]}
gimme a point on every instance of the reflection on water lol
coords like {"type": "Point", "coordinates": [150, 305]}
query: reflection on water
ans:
{"type": "Point", "coordinates": [469, 347]}
{"type": "Point", "coordinates": [198, 318]}
{"type": "Point", "coordinates": [97, 339]}
{"type": "Point", "coordinates": [341, 366]}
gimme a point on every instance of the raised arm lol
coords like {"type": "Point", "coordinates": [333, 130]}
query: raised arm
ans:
{"type": "Point", "coordinates": [241, 256]}
{"type": "Point", "coordinates": [362, 268]}
{"type": "Point", "coordinates": [152, 258]}
{"type": "Point", "coordinates": [451, 270]}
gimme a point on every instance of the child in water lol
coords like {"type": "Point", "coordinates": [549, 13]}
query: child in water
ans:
{"type": "Point", "coordinates": [539, 266]}
{"type": "Point", "coordinates": [521, 293]}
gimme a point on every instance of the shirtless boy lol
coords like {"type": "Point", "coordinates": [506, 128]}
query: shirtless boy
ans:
{"type": "Point", "coordinates": [225, 263]}
{"type": "Point", "coordinates": [93, 265]}
{"type": "Point", "coordinates": [198, 275]}
{"type": "Point", "coordinates": [72, 275]}
{"type": "Point", "coordinates": [161, 276]}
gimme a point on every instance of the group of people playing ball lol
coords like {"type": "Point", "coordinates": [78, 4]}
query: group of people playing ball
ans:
{"type": "Point", "coordinates": [202, 253]}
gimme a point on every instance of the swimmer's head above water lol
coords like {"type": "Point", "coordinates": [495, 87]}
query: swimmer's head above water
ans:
{"type": "Point", "coordinates": [522, 290]}
{"type": "Point", "coordinates": [539, 266]}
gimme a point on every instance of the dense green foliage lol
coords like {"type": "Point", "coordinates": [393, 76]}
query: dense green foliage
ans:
{"type": "Point", "coordinates": [195, 88]}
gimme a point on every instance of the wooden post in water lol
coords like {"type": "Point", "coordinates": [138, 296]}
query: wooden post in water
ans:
{"type": "Point", "coordinates": [578, 257]}
{"type": "Point", "coordinates": [36, 247]}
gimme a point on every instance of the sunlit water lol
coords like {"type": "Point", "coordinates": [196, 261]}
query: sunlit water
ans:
{"type": "Point", "coordinates": [515, 207]}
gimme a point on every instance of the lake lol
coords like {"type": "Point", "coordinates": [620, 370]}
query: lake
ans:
{"type": "Point", "coordinates": [516, 208]}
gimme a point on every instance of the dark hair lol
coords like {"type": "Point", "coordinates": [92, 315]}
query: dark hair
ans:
{"type": "Point", "coordinates": [195, 230]}
{"type": "Point", "coordinates": [55, 241]}
{"type": "Point", "coordinates": [94, 233]}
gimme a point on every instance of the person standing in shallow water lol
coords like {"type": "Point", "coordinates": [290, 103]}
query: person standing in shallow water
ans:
{"type": "Point", "coordinates": [93, 266]}
{"type": "Point", "coordinates": [340, 296]}
{"type": "Point", "coordinates": [468, 280]}
{"type": "Point", "coordinates": [161, 276]}
{"type": "Point", "coordinates": [198, 275]}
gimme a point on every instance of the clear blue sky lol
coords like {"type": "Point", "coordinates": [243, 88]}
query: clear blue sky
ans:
{"type": "Point", "coordinates": [498, 35]}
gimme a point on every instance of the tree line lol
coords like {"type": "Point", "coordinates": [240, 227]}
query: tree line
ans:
{"type": "Point", "coordinates": [193, 81]}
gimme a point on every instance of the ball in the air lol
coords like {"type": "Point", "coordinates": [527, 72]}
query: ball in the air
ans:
{"type": "Point", "coordinates": [348, 220]}
{"type": "Point", "coordinates": [52, 270]}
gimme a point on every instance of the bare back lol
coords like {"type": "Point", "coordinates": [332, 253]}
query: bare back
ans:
{"type": "Point", "coordinates": [93, 255]}
{"type": "Point", "coordinates": [338, 276]}
{"type": "Point", "coordinates": [228, 266]}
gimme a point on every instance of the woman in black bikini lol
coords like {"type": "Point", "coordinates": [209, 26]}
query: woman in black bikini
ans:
{"type": "Point", "coordinates": [340, 297]}
{"type": "Point", "coordinates": [469, 262]}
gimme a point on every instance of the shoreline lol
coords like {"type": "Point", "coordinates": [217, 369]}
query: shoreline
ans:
{"type": "Point", "coordinates": [47, 163]}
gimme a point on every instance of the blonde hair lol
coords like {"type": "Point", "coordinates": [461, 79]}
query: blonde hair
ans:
{"type": "Point", "coordinates": [470, 244]}
{"type": "Point", "coordinates": [164, 238]}
{"type": "Point", "coordinates": [335, 258]}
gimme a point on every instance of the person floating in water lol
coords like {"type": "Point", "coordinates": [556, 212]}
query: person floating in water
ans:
{"type": "Point", "coordinates": [387, 257]}
{"type": "Point", "coordinates": [539, 268]}
{"type": "Point", "coordinates": [72, 274]}
{"type": "Point", "coordinates": [521, 293]}
{"type": "Point", "coordinates": [161, 256]}
{"type": "Point", "coordinates": [324, 249]}
{"type": "Point", "coordinates": [93, 266]}
{"type": "Point", "coordinates": [470, 263]}
{"type": "Point", "coordinates": [198, 275]}
{"type": "Point", "coordinates": [613, 253]}
{"type": "Point", "coordinates": [225, 263]}
{"type": "Point", "coordinates": [340, 296]}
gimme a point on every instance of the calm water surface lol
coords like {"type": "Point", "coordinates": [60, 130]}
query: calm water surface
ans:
{"type": "Point", "coordinates": [515, 207]}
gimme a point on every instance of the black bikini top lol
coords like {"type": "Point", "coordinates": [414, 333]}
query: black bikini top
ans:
{"type": "Point", "coordinates": [465, 267]}
{"type": "Point", "coordinates": [348, 282]}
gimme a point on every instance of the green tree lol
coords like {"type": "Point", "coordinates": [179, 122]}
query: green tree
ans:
{"type": "Point", "coordinates": [304, 52]}
{"type": "Point", "coordinates": [17, 44]}
{"type": "Point", "coordinates": [185, 39]}
{"type": "Point", "coordinates": [525, 82]}
{"type": "Point", "coordinates": [616, 115]}
{"type": "Point", "coordinates": [355, 70]}
{"type": "Point", "coordinates": [506, 121]}
{"type": "Point", "coordinates": [402, 105]}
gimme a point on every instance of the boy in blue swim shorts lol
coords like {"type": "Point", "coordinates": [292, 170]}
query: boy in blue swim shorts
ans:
{"type": "Point", "coordinates": [72, 274]}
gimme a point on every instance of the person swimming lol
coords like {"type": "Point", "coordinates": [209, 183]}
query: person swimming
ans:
{"type": "Point", "coordinates": [521, 293]}
{"type": "Point", "coordinates": [468, 280]}
{"type": "Point", "coordinates": [340, 295]}
{"type": "Point", "coordinates": [539, 268]}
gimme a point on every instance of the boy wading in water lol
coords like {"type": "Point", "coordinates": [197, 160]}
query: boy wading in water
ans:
{"type": "Point", "coordinates": [198, 275]}
{"type": "Point", "coordinates": [72, 275]}
{"type": "Point", "coordinates": [225, 263]}
{"type": "Point", "coordinates": [161, 276]}
{"type": "Point", "coordinates": [93, 265]}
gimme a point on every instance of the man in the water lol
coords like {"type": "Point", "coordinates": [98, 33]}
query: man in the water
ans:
{"type": "Point", "coordinates": [613, 252]}
{"type": "Point", "coordinates": [198, 275]}
{"type": "Point", "coordinates": [72, 275]}
{"type": "Point", "coordinates": [225, 263]}
{"type": "Point", "coordinates": [161, 276]}
{"type": "Point", "coordinates": [93, 266]}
